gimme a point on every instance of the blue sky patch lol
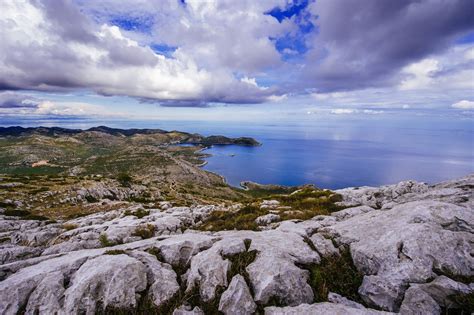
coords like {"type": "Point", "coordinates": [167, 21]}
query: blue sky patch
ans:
{"type": "Point", "coordinates": [466, 39]}
{"type": "Point", "coordinates": [142, 24]}
{"type": "Point", "coordinates": [293, 45]}
{"type": "Point", "coordinates": [163, 49]}
{"type": "Point", "coordinates": [292, 9]}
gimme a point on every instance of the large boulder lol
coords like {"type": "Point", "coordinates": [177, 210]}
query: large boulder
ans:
{"type": "Point", "coordinates": [108, 281]}
{"type": "Point", "coordinates": [406, 244]}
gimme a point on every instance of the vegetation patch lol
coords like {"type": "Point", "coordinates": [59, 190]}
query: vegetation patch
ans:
{"type": "Point", "coordinates": [114, 252]}
{"type": "Point", "coordinates": [139, 213]}
{"type": "Point", "coordinates": [104, 241]}
{"type": "Point", "coordinates": [309, 202]}
{"type": "Point", "coordinates": [243, 219]}
{"type": "Point", "coordinates": [239, 263]}
{"type": "Point", "coordinates": [336, 274]}
{"type": "Point", "coordinates": [145, 231]}
{"type": "Point", "coordinates": [464, 304]}
{"type": "Point", "coordinates": [91, 199]}
{"type": "Point", "coordinates": [466, 279]}
{"type": "Point", "coordinates": [24, 215]}
{"type": "Point", "coordinates": [124, 179]}
{"type": "Point", "coordinates": [69, 226]}
{"type": "Point", "coordinates": [302, 204]}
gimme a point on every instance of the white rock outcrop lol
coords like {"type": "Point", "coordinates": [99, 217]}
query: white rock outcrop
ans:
{"type": "Point", "coordinates": [412, 242]}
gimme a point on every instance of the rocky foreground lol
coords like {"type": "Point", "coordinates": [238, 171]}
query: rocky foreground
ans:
{"type": "Point", "coordinates": [410, 243]}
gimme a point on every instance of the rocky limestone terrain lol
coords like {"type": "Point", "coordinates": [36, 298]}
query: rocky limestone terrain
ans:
{"type": "Point", "coordinates": [405, 248]}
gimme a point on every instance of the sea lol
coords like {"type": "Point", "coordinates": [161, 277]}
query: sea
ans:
{"type": "Point", "coordinates": [330, 152]}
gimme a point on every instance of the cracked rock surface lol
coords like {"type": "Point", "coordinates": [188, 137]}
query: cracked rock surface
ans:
{"type": "Point", "coordinates": [411, 242]}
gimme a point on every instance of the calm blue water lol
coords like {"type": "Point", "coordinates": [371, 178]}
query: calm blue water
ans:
{"type": "Point", "coordinates": [331, 152]}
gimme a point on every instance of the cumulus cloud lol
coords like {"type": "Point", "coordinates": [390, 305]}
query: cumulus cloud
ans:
{"type": "Point", "coordinates": [14, 100]}
{"type": "Point", "coordinates": [365, 43]}
{"type": "Point", "coordinates": [51, 45]}
{"type": "Point", "coordinates": [464, 104]}
{"type": "Point", "coordinates": [15, 104]}
{"type": "Point", "coordinates": [193, 53]}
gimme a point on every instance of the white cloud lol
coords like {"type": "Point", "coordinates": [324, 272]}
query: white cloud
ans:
{"type": "Point", "coordinates": [343, 111]}
{"type": "Point", "coordinates": [372, 112]}
{"type": "Point", "coordinates": [464, 104]}
{"type": "Point", "coordinates": [38, 53]}
{"type": "Point", "coordinates": [15, 104]}
{"type": "Point", "coordinates": [451, 70]}
{"type": "Point", "coordinates": [419, 74]}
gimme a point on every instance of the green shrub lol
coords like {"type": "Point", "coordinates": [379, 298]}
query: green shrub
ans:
{"type": "Point", "coordinates": [243, 219]}
{"type": "Point", "coordinates": [104, 241]}
{"type": "Point", "coordinates": [139, 213]}
{"type": "Point", "coordinates": [16, 213]}
{"type": "Point", "coordinates": [124, 179]}
{"type": "Point", "coordinates": [465, 301]}
{"type": "Point", "coordinates": [145, 231]}
{"type": "Point", "coordinates": [336, 274]}
{"type": "Point", "coordinates": [91, 199]}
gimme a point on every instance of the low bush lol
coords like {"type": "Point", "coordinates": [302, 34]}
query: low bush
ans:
{"type": "Point", "coordinates": [336, 274]}
{"type": "Point", "coordinates": [139, 213]}
{"type": "Point", "coordinates": [464, 301]}
{"type": "Point", "coordinates": [104, 241]}
{"type": "Point", "coordinates": [145, 231]}
{"type": "Point", "coordinates": [243, 219]}
{"type": "Point", "coordinates": [124, 179]}
{"type": "Point", "coordinates": [69, 226]}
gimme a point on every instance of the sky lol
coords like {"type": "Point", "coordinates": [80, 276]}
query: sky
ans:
{"type": "Point", "coordinates": [235, 60]}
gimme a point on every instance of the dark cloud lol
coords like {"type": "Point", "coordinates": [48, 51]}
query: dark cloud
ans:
{"type": "Point", "coordinates": [364, 43]}
{"type": "Point", "coordinates": [67, 20]}
{"type": "Point", "coordinates": [14, 100]}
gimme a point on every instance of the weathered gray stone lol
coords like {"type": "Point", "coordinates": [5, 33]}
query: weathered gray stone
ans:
{"type": "Point", "coordinates": [338, 299]}
{"type": "Point", "coordinates": [46, 297]}
{"type": "Point", "coordinates": [403, 245]}
{"type": "Point", "coordinates": [183, 310]}
{"type": "Point", "coordinates": [443, 288]}
{"type": "Point", "coordinates": [324, 246]}
{"type": "Point", "coordinates": [418, 302]}
{"type": "Point", "coordinates": [114, 280]}
{"type": "Point", "coordinates": [10, 253]}
{"type": "Point", "coordinates": [161, 278]}
{"type": "Point", "coordinates": [267, 219]}
{"type": "Point", "coordinates": [237, 300]}
{"type": "Point", "coordinates": [419, 232]}
{"type": "Point", "coordinates": [209, 271]}
{"type": "Point", "coordinates": [351, 212]}
{"type": "Point", "coordinates": [15, 290]}
{"type": "Point", "coordinates": [320, 308]}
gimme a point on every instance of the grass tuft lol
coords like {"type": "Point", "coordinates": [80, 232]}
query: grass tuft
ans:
{"type": "Point", "coordinates": [336, 274]}
{"type": "Point", "coordinates": [114, 252]}
{"type": "Point", "coordinates": [139, 213]}
{"type": "Point", "coordinates": [145, 231]}
{"type": "Point", "coordinates": [104, 241]}
{"type": "Point", "coordinates": [243, 219]}
{"type": "Point", "coordinates": [69, 226]}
